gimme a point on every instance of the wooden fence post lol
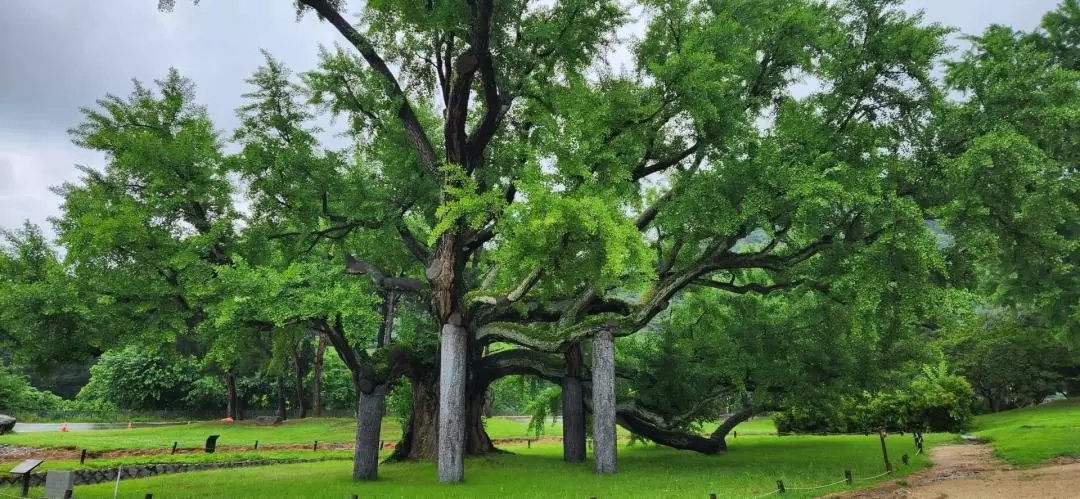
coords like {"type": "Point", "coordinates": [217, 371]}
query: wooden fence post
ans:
{"type": "Point", "coordinates": [847, 476]}
{"type": "Point", "coordinates": [174, 447]}
{"type": "Point", "coordinates": [885, 451]}
{"type": "Point", "coordinates": [82, 459]}
{"type": "Point", "coordinates": [256, 445]}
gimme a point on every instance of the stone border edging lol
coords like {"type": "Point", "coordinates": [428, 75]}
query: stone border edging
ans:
{"type": "Point", "coordinates": [133, 471]}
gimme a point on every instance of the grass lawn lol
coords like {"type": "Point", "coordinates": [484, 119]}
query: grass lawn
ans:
{"type": "Point", "coordinates": [750, 469]}
{"type": "Point", "coordinates": [291, 432]}
{"type": "Point", "coordinates": [191, 436]}
{"type": "Point", "coordinates": [1035, 434]}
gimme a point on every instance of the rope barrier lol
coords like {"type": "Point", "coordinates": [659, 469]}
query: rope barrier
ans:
{"type": "Point", "coordinates": [819, 487]}
{"type": "Point", "coordinates": [875, 476]}
{"type": "Point", "coordinates": [838, 482]}
{"type": "Point", "coordinates": [777, 491]}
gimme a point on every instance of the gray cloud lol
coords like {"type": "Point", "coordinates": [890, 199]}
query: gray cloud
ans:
{"type": "Point", "coordinates": [58, 56]}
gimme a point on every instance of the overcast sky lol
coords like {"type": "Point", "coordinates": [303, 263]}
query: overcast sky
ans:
{"type": "Point", "coordinates": [58, 55]}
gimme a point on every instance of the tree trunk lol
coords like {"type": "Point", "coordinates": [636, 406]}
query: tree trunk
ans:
{"type": "Point", "coordinates": [603, 391]}
{"type": "Point", "coordinates": [729, 424]}
{"type": "Point", "coordinates": [316, 378]}
{"type": "Point", "coordinates": [298, 375]}
{"type": "Point", "coordinates": [419, 437]}
{"type": "Point", "coordinates": [489, 403]}
{"type": "Point", "coordinates": [573, 411]}
{"type": "Point", "coordinates": [369, 411]}
{"type": "Point", "coordinates": [232, 406]}
{"type": "Point", "coordinates": [477, 441]}
{"type": "Point", "coordinates": [452, 413]}
{"type": "Point", "coordinates": [281, 397]}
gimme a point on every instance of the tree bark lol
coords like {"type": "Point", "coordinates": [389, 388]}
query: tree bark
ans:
{"type": "Point", "coordinates": [720, 434]}
{"type": "Point", "coordinates": [232, 406]}
{"type": "Point", "coordinates": [316, 378]}
{"type": "Point", "coordinates": [369, 411]}
{"type": "Point", "coordinates": [298, 375]}
{"type": "Point", "coordinates": [452, 411]}
{"type": "Point", "coordinates": [419, 437]}
{"type": "Point", "coordinates": [281, 397]}
{"type": "Point", "coordinates": [603, 391]}
{"type": "Point", "coordinates": [477, 441]}
{"type": "Point", "coordinates": [573, 408]}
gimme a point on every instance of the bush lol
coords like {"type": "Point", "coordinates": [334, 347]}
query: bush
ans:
{"type": "Point", "coordinates": [19, 397]}
{"type": "Point", "coordinates": [934, 401]}
{"type": "Point", "coordinates": [139, 379]}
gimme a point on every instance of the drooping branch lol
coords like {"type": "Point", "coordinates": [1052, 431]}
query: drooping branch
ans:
{"type": "Point", "coordinates": [420, 141]}
{"type": "Point", "coordinates": [534, 339]}
{"type": "Point", "coordinates": [520, 362]}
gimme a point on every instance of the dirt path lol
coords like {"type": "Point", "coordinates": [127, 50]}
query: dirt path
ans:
{"type": "Point", "coordinates": [972, 471]}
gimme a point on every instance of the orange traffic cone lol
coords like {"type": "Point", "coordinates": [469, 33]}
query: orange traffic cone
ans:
{"type": "Point", "coordinates": [129, 426]}
{"type": "Point", "coordinates": [63, 427]}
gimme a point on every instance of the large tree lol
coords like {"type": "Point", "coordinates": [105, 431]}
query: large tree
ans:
{"type": "Point", "coordinates": [564, 204]}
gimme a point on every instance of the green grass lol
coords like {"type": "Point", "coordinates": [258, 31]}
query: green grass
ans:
{"type": "Point", "coordinates": [750, 469]}
{"type": "Point", "coordinates": [191, 436]}
{"type": "Point", "coordinates": [247, 455]}
{"type": "Point", "coordinates": [1034, 435]}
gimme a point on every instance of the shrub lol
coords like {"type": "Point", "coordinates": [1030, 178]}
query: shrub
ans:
{"type": "Point", "coordinates": [933, 401]}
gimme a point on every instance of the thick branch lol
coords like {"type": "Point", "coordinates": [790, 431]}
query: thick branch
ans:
{"type": "Point", "coordinates": [382, 279]}
{"type": "Point", "coordinates": [747, 288]}
{"type": "Point", "coordinates": [644, 170]}
{"type": "Point", "coordinates": [494, 107]}
{"type": "Point", "coordinates": [406, 114]}
{"type": "Point", "coordinates": [418, 249]}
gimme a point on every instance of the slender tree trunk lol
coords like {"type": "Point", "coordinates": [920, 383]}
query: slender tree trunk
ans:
{"type": "Point", "coordinates": [316, 378]}
{"type": "Point", "coordinates": [232, 409]}
{"type": "Point", "coordinates": [298, 375]}
{"type": "Point", "coordinates": [368, 427]}
{"type": "Point", "coordinates": [281, 397]}
{"type": "Point", "coordinates": [573, 408]}
{"type": "Point", "coordinates": [452, 413]}
{"type": "Point", "coordinates": [604, 443]}
{"type": "Point", "coordinates": [419, 437]}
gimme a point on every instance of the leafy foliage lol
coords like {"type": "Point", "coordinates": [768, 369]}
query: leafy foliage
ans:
{"type": "Point", "coordinates": [933, 401]}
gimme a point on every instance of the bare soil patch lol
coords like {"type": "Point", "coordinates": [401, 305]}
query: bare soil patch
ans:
{"type": "Point", "coordinates": [972, 471]}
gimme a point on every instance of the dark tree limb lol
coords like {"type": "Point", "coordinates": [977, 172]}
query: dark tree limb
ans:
{"type": "Point", "coordinates": [643, 170]}
{"type": "Point", "coordinates": [420, 141]}
{"type": "Point", "coordinates": [415, 247]}
{"type": "Point", "coordinates": [382, 279]}
{"type": "Point", "coordinates": [494, 107]}
{"type": "Point", "coordinates": [752, 287]}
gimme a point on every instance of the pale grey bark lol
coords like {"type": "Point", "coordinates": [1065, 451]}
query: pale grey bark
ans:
{"type": "Point", "coordinates": [452, 404]}
{"type": "Point", "coordinates": [369, 410]}
{"type": "Point", "coordinates": [603, 391]}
